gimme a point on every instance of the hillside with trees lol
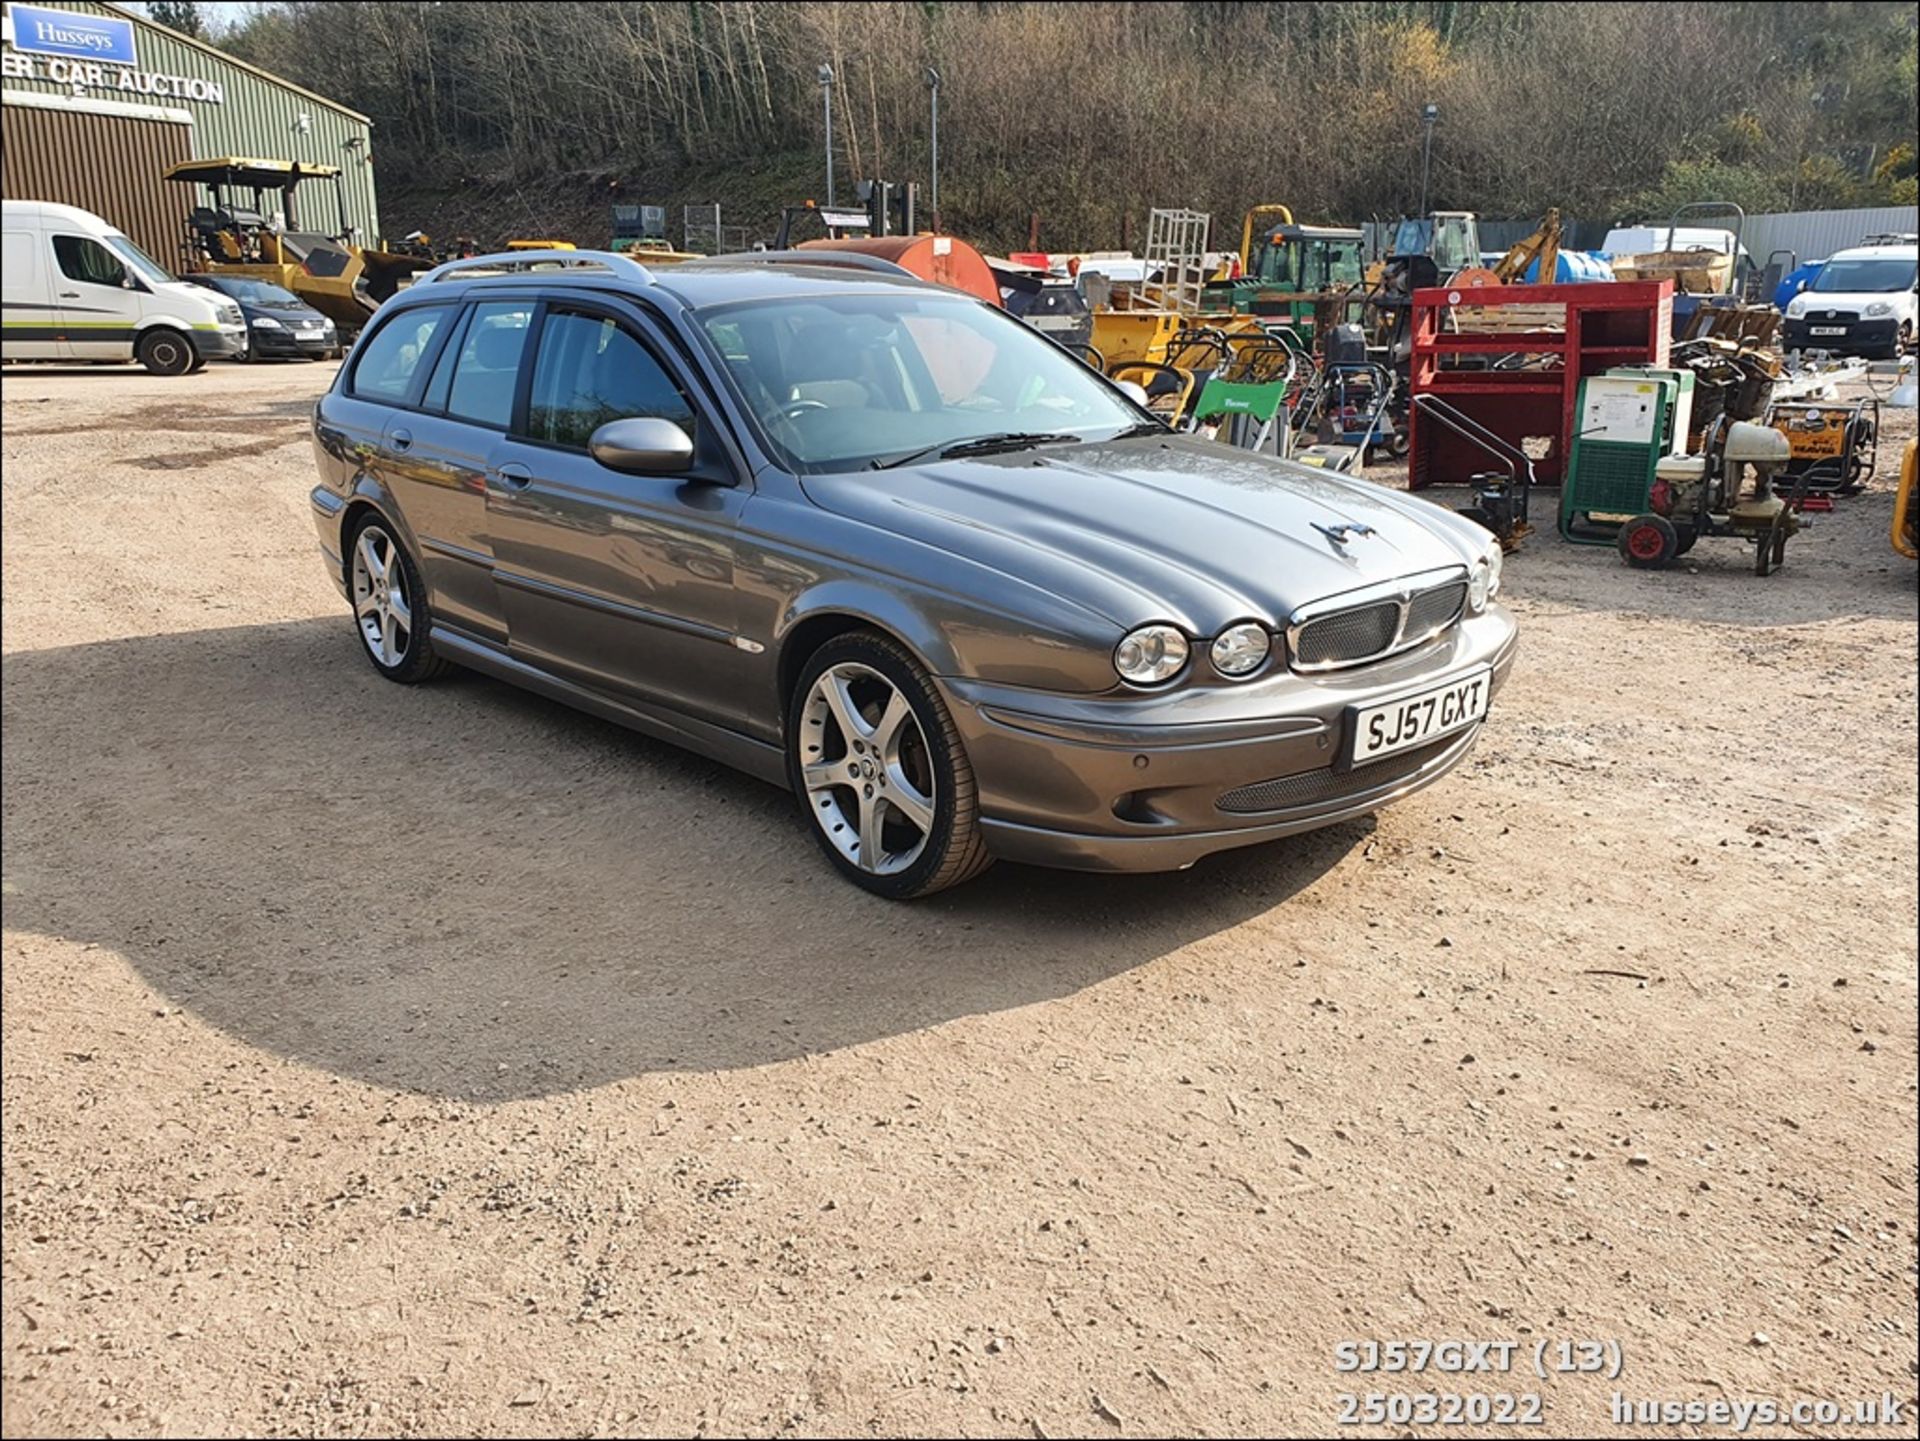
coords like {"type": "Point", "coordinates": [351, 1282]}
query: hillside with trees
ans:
{"type": "Point", "coordinates": [506, 118]}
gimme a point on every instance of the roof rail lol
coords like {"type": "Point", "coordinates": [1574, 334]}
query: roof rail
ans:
{"type": "Point", "coordinates": [623, 266]}
{"type": "Point", "coordinates": [853, 259]}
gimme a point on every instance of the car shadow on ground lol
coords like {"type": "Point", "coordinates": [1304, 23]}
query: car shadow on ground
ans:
{"type": "Point", "coordinates": [464, 890]}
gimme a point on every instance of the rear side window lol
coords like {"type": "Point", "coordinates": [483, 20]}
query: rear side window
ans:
{"type": "Point", "coordinates": [488, 366]}
{"type": "Point", "coordinates": [18, 260]}
{"type": "Point", "coordinates": [87, 260]}
{"type": "Point", "coordinates": [590, 371]}
{"type": "Point", "coordinates": [393, 353]}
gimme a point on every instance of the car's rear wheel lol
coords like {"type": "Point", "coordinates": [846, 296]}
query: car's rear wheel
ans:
{"type": "Point", "coordinates": [878, 765]}
{"type": "Point", "coordinates": [390, 605]}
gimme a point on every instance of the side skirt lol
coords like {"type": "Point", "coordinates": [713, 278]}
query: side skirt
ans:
{"type": "Point", "coordinates": [756, 758]}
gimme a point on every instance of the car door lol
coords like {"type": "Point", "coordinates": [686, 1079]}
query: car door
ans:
{"type": "Point", "coordinates": [94, 308]}
{"type": "Point", "coordinates": [432, 471]}
{"type": "Point", "coordinates": [624, 583]}
{"type": "Point", "coordinates": [442, 448]}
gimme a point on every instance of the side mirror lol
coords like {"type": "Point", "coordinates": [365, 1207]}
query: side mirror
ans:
{"type": "Point", "coordinates": [1133, 390]}
{"type": "Point", "coordinates": [642, 445]}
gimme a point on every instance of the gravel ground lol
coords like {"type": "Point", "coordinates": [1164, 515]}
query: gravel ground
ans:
{"type": "Point", "coordinates": [442, 1061]}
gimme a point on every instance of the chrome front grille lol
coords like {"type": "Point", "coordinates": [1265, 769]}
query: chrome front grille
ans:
{"type": "Point", "coordinates": [1375, 622]}
{"type": "Point", "coordinates": [1432, 611]}
{"type": "Point", "coordinates": [1348, 635]}
{"type": "Point", "coordinates": [1285, 793]}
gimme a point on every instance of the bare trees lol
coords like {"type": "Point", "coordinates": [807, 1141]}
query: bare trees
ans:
{"type": "Point", "coordinates": [1085, 112]}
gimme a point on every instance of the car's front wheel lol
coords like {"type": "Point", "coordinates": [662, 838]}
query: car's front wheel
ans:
{"type": "Point", "coordinates": [390, 605]}
{"type": "Point", "coordinates": [878, 765]}
{"type": "Point", "coordinates": [165, 352]}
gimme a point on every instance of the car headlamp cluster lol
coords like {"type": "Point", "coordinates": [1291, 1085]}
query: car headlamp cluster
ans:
{"type": "Point", "coordinates": [1483, 579]}
{"type": "Point", "coordinates": [1155, 654]}
{"type": "Point", "coordinates": [1240, 650]}
{"type": "Point", "coordinates": [1150, 655]}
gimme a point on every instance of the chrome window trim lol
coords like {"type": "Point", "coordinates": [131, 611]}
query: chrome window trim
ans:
{"type": "Point", "coordinates": [1401, 591]}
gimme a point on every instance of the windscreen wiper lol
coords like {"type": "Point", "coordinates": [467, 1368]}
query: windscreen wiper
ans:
{"type": "Point", "coordinates": [980, 445]}
{"type": "Point", "coordinates": [1145, 427]}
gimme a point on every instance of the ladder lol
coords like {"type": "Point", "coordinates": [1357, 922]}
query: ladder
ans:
{"type": "Point", "coordinates": [1176, 259]}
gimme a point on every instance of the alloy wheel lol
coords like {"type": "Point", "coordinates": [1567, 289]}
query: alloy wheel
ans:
{"type": "Point", "coordinates": [866, 768]}
{"type": "Point", "coordinates": [381, 604]}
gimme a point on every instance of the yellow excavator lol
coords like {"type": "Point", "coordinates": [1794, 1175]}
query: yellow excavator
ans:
{"type": "Point", "coordinates": [332, 271]}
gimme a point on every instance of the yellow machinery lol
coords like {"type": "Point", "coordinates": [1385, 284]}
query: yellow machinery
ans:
{"type": "Point", "coordinates": [656, 252]}
{"type": "Point", "coordinates": [1543, 245]}
{"type": "Point", "coordinates": [1258, 218]}
{"type": "Point", "coordinates": [1906, 512]}
{"type": "Point", "coordinates": [1143, 321]}
{"type": "Point", "coordinates": [332, 272]}
{"type": "Point", "coordinates": [540, 245]}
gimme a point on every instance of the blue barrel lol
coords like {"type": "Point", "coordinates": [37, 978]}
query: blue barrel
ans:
{"type": "Point", "coordinates": [1796, 281]}
{"type": "Point", "coordinates": [1575, 267]}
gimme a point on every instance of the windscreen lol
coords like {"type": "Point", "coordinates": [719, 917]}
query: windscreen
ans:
{"type": "Point", "coordinates": [1891, 273]}
{"type": "Point", "coordinates": [838, 382]}
{"type": "Point", "coordinates": [137, 260]}
{"type": "Point", "coordinates": [258, 292]}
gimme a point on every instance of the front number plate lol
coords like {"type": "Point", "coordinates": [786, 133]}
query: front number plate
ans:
{"type": "Point", "coordinates": [1826, 330]}
{"type": "Point", "coordinates": [1380, 730]}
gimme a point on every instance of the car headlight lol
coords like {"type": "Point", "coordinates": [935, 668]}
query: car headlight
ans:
{"type": "Point", "coordinates": [230, 315]}
{"type": "Point", "coordinates": [1483, 579]}
{"type": "Point", "coordinates": [1240, 650]}
{"type": "Point", "coordinates": [1150, 655]}
{"type": "Point", "coordinates": [1876, 309]}
{"type": "Point", "coordinates": [1796, 307]}
{"type": "Point", "coordinates": [266, 322]}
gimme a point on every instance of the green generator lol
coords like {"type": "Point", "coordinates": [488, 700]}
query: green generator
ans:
{"type": "Point", "coordinates": [1625, 420]}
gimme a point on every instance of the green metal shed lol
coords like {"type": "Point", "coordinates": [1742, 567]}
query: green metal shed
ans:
{"type": "Point", "coordinates": [99, 100]}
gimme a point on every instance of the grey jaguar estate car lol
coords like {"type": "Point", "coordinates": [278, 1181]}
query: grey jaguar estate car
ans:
{"type": "Point", "coordinates": [877, 541]}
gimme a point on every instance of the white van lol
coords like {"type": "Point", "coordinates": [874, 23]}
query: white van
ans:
{"type": "Point", "coordinates": [77, 289]}
{"type": "Point", "coordinates": [1863, 301]}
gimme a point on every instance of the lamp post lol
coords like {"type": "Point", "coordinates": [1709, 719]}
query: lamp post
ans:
{"type": "Point", "coordinates": [826, 91]}
{"type": "Point", "coordinates": [1429, 113]}
{"type": "Point", "coordinates": [933, 87]}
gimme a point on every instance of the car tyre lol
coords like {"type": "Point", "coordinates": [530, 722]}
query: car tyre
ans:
{"type": "Point", "coordinates": [878, 765]}
{"type": "Point", "coordinates": [1649, 542]}
{"type": "Point", "coordinates": [390, 610]}
{"type": "Point", "coordinates": [165, 352]}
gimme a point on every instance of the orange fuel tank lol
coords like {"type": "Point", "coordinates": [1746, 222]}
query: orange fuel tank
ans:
{"type": "Point", "coordinates": [943, 259]}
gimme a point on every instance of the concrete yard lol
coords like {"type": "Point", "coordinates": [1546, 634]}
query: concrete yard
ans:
{"type": "Point", "coordinates": [439, 1060]}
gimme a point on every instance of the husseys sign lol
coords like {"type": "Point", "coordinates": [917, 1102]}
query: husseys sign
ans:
{"type": "Point", "coordinates": [89, 53]}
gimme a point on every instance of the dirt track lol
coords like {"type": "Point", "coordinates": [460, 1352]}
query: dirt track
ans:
{"type": "Point", "coordinates": [441, 1061]}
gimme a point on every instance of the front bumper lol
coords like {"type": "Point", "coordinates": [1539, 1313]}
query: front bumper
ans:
{"type": "Point", "coordinates": [1857, 336]}
{"type": "Point", "coordinates": [294, 343]}
{"type": "Point", "coordinates": [219, 344]}
{"type": "Point", "coordinates": [1133, 783]}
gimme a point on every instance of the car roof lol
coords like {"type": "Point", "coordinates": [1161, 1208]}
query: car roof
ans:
{"type": "Point", "coordinates": [691, 285]}
{"type": "Point", "coordinates": [1894, 248]}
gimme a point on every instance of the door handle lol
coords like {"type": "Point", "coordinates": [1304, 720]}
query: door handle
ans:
{"type": "Point", "coordinates": [401, 440]}
{"type": "Point", "coordinates": [69, 295]}
{"type": "Point", "coordinates": [514, 476]}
